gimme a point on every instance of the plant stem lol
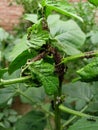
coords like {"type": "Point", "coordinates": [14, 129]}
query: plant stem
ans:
{"type": "Point", "coordinates": [57, 115]}
{"type": "Point", "coordinates": [81, 55]}
{"type": "Point", "coordinates": [57, 110]}
{"type": "Point", "coordinates": [13, 81]}
{"type": "Point", "coordinates": [74, 117]}
{"type": "Point", "coordinates": [64, 12]}
{"type": "Point", "coordinates": [73, 112]}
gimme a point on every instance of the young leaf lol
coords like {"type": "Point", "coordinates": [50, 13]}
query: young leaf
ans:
{"type": "Point", "coordinates": [67, 35]}
{"type": "Point", "coordinates": [19, 61]}
{"type": "Point", "coordinates": [34, 120]}
{"type": "Point", "coordinates": [38, 39]}
{"type": "Point", "coordinates": [37, 36]}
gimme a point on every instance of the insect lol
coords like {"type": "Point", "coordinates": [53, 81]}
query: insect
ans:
{"type": "Point", "coordinates": [58, 101]}
{"type": "Point", "coordinates": [91, 119]}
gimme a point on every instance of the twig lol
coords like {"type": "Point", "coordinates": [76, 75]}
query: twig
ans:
{"type": "Point", "coordinates": [87, 55]}
{"type": "Point", "coordinates": [13, 81]}
{"type": "Point", "coordinates": [73, 112]}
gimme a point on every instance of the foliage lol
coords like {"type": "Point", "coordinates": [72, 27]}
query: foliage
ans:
{"type": "Point", "coordinates": [8, 118]}
{"type": "Point", "coordinates": [35, 67]}
{"type": "Point", "coordinates": [94, 2]}
{"type": "Point", "coordinates": [33, 120]}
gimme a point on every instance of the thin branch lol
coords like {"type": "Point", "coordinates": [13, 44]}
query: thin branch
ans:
{"type": "Point", "coordinates": [73, 112]}
{"type": "Point", "coordinates": [87, 55]}
{"type": "Point", "coordinates": [39, 56]}
{"type": "Point", "coordinates": [74, 117]}
{"type": "Point", "coordinates": [13, 81]}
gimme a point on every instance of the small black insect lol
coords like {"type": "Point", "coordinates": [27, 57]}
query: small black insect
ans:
{"type": "Point", "coordinates": [91, 119]}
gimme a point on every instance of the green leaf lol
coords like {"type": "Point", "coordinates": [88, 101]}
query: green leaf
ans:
{"type": "Point", "coordinates": [43, 67]}
{"type": "Point", "coordinates": [78, 90]}
{"type": "Point", "coordinates": [3, 34]}
{"type": "Point", "coordinates": [7, 123]}
{"type": "Point", "coordinates": [37, 36]}
{"type": "Point", "coordinates": [60, 7]}
{"type": "Point", "coordinates": [89, 72]}
{"type": "Point", "coordinates": [20, 46]}
{"type": "Point", "coordinates": [36, 94]}
{"type": "Point", "coordinates": [0, 56]}
{"type": "Point", "coordinates": [34, 120]}
{"type": "Point", "coordinates": [45, 73]}
{"type": "Point", "coordinates": [1, 128]}
{"type": "Point", "coordinates": [94, 2]}
{"type": "Point", "coordinates": [38, 39]}
{"type": "Point", "coordinates": [31, 17]}
{"type": "Point", "coordinates": [67, 35]}
{"type": "Point", "coordinates": [94, 37]}
{"type": "Point", "coordinates": [85, 124]}
{"type": "Point", "coordinates": [1, 116]}
{"type": "Point", "coordinates": [6, 94]}
{"type": "Point", "coordinates": [2, 71]}
{"type": "Point", "coordinates": [93, 106]}
{"type": "Point", "coordinates": [50, 84]}
{"type": "Point", "coordinates": [12, 118]}
{"type": "Point", "coordinates": [80, 104]}
{"type": "Point", "coordinates": [19, 61]}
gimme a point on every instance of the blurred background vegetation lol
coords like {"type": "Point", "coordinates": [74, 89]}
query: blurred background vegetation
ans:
{"type": "Point", "coordinates": [9, 50]}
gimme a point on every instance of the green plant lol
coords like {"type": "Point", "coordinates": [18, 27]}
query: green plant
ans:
{"type": "Point", "coordinates": [8, 117]}
{"type": "Point", "coordinates": [94, 2]}
{"type": "Point", "coordinates": [51, 42]}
